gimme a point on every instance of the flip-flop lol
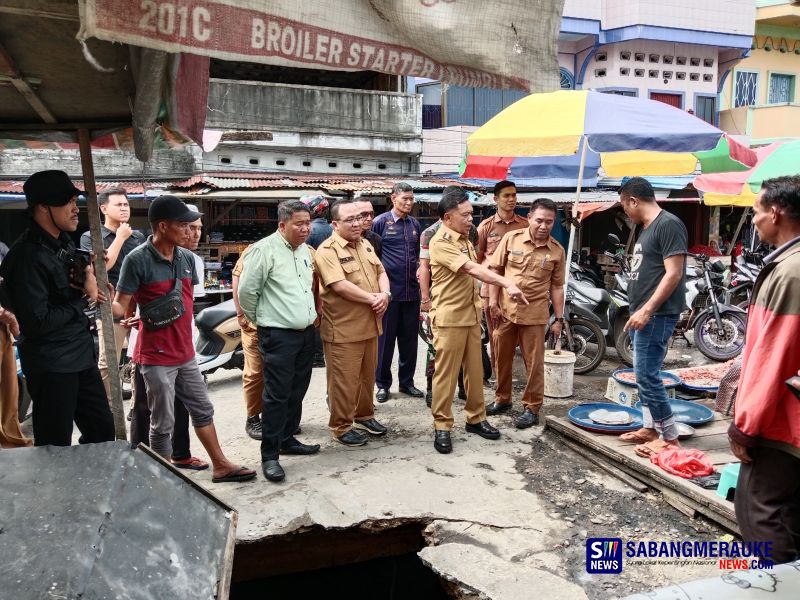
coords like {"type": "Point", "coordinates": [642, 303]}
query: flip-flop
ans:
{"type": "Point", "coordinates": [651, 448]}
{"type": "Point", "coordinates": [193, 463]}
{"type": "Point", "coordinates": [636, 436]}
{"type": "Point", "coordinates": [238, 474]}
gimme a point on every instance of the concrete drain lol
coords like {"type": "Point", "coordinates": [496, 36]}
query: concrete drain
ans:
{"type": "Point", "coordinates": [374, 560]}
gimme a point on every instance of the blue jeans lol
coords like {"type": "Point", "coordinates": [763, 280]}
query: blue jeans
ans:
{"type": "Point", "coordinates": [649, 351]}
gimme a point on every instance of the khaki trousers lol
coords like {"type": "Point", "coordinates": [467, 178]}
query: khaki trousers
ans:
{"type": "Point", "coordinates": [10, 433]}
{"type": "Point", "coordinates": [531, 340]}
{"type": "Point", "coordinates": [252, 375]}
{"type": "Point", "coordinates": [351, 378]}
{"type": "Point", "coordinates": [120, 333]}
{"type": "Point", "coordinates": [457, 347]}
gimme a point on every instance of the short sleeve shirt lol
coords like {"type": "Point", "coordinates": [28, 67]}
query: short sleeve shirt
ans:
{"type": "Point", "coordinates": [454, 294]}
{"type": "Point", "coordinates": [534, 268]}
{"type": "Point", "coordinates": [345, 321]}
{"type": "Point", "coordinates": [490, 231]}
{"type": "Point", "coordinates": [147, 275]}
{"type": "Point", "coordinates": [426, 236]}
{"type": "Point", "coordinates": [135, 240]}
{"type": "Point", "coordinates": [666, 236]}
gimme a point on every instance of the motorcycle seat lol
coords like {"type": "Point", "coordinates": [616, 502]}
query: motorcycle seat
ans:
{"type": "Point", "coordinates": [596, 295]}
{"type": "Point", "coordinates": [210, 317]}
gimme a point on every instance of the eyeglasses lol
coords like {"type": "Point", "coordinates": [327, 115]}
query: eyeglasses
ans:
{"type": "Point", "coordinates": [368, 215]}
{"type": "Point", "coordinates": [351, 220]}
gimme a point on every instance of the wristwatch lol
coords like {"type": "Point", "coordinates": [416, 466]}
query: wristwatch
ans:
{"type": "Point", "coordinates": [388, 293]}
{"type": "Point", "coordinates": [560, 319]}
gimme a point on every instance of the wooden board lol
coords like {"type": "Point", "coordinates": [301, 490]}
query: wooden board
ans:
{"type": "Point", "coordinates": [711, 439]}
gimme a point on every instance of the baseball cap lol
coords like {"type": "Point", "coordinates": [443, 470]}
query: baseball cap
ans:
{"type": "Point", "coordinates": [51, 188]}
{"type": "Point", "coordinates": [170, 208]}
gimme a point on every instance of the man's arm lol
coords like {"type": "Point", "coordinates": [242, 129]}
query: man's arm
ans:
{"type": "Point", "coordinates": [119, 308]}
{"type": "Point", "coordinates": [673, 266]}
{"type": "Point", "coordinates": [481, 247]}
{"type": "Point", "coordinates": [251, 283]}
{"type": "Point", "coordinates": [424, 278]}
{"type": "Point", "coordinates": [124, 231]}
{"type": "Point", "coordinates": [487, 276]}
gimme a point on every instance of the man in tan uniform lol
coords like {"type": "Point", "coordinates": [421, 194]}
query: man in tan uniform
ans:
{"type": "Point", "coordinates": [252, 373]}
{"type": "Point", "coordinates": [490, 231]}
{"type": "Point", "coordinates": [535, 261]}
{"type": "Point", "coordinates": [355, 293]}
{"type": "Point", "coordinates": [456, 316]}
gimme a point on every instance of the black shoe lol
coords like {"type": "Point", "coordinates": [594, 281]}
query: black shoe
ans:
{"type": "Point", "coordinates": [130, 414]}
{"type": "Point", "coordinates": [273, 470]}
{"type": "Point", "coordinates": [318, 363]}
{"type": "Point", "coordinates": [412, 391]}
{"type": "Point", "coordinates": [370, 426]}
{"type": "Point", "coordinates": [442, 443]}
{"type": "Point", "coordinates": [527, 419]}
{"type": "Point", "coordinates": [253, 427]}
{"type": "Point", "coordinates": [429, 399]}
{"type": "Point", "coordinates": [495, 409]}
{"type": "Point", "coordinates": [382, 395]}
{"type": "Point", "coordinates": [298, 431]}
{"type": "Point", "coordinates": [462, 395]}
{"type": "Point", "coordinates": [127, 394]}
{"type": "Point", "coordinates": [484, 430]}
{"type": "Point", "coordinates": [294, 446]}
{"type": "Point", "coordinates": [352, 438]}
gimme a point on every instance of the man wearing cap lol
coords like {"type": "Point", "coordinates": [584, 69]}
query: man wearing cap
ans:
{"type": "Point", "coordinates": [353, 288]}
{"type": "Point", "coordinates": [165, 352]}
{"type": "Point", "coordinates": [49, 290]}
{"type": "Point", "coordinates": [118, 240]}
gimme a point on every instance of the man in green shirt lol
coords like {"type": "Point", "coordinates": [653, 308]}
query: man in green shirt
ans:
{"type": "Point", "coordinates": [277, 292]}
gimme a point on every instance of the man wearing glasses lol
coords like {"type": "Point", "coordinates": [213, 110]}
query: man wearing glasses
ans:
{"type": "Point", "coordinates": [367, 216]}
{"type": "Point", "coordinates": [355, 295]}
{"type": "Point", "coordinates": [399, 233]}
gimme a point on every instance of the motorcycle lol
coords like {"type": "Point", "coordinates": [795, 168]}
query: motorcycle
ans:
{"type": "Point", "coordinates": [748, 266]}
{"type": "Point", "coordinates": [219, 344]}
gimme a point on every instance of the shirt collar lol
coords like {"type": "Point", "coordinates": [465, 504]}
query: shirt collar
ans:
{"type": "Point", "coordinates": [54, 243]}
{"type": "Point", "coordinates": [340, 241]}
{"type": "Point", "coordinates": [497, 219]}
{"type": "Point", "coordinates": [395, 216]}
{"type": "Point", "coordinates": [775, 255]}
{"type": "Point", "coordinates": [158, 256]}
{"type": "Point", "coordinates": [526, 237]}
{"type": "Point", "coordinates": [453, 232]}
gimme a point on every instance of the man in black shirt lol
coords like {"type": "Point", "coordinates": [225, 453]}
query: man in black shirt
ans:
{"type": "Point", "coordinates": [49, 290]}
{"type": "Point", "coordinates": [118, 239]}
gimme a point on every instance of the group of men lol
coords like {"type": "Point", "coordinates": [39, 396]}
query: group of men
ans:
{"type": "Point", "coordinates": [361, 289]}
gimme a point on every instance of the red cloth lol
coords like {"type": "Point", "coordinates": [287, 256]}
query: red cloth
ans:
{"type": "Point", "coordinates": [683, 462]}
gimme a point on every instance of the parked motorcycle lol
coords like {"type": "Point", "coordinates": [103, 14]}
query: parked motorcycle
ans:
{"type": "Point", "coordinates": [219, 345]}
{"type": "Point", "coordinates": [748, 266]}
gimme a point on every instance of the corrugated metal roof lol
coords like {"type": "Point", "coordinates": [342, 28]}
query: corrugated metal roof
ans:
{"type": "Point", "coordinates": [131, 187]}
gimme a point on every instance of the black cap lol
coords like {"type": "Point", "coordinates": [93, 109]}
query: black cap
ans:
{"type": "Point", "coordinates": [170, 208]}
{"type": "Point", "coordinates": [51, 188]}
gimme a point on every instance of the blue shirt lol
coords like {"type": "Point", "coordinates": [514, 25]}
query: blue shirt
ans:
{"type": "Point", "coordinates": [399, 253]}
{"type": "Point", "coordinates": [321, 230]}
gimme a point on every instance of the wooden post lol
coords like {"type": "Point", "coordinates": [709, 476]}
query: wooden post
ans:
{"type": "Point", "coordinates": [92, 209]}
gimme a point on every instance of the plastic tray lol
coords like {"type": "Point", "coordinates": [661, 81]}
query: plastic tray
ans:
{"type": "Point", "coordinates": [579, 416]}
{"type": "Point", "coordinates": [664, 375]}
{"type": "Point", "coordinates": [688, 412]}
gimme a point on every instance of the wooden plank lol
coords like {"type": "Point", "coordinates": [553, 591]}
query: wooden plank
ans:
{"type": "Point", "coordinates": [676, 501]}
{"type": "Point", "coordinates": [636, 484]}
{"type": "Point", "coordinates": [9, 67]}
{"type": "Point", "coordinates": [703, 501]}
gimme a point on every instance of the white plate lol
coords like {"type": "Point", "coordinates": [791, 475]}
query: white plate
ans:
{"type": "Point", "coordinates": [611, 417]}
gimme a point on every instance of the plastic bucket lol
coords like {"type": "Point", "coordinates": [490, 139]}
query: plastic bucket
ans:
{"type": "Point", "coordinates": [559, 370]}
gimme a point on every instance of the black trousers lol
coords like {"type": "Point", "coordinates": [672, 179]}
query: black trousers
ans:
{"type": "Point", "coordinates": [140, 419]}
{"type": "Point", "coordinates": [59, 399]}
{"type": "Point", "coordinates": [401, 325]}
{"type": "Point", "coordinates": [287, 355]}
{"type": "Point", "coordinates": [767, 502]}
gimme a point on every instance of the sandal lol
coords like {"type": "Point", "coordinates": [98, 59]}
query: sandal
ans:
{"type": "Point", "coordinates": [637, 436]}
{"type": "Point", "coordinates": [193, 463]}
{"type": "Point", "coordinates": [651, 448]}
{"type": "Point", "coordinates": [238, 474]}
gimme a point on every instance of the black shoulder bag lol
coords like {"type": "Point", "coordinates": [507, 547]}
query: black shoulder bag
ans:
{"type": "Point", "coordinates": [167, 309]}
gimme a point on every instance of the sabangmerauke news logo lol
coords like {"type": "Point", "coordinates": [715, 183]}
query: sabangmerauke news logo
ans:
{"type": "Point", "coordinates": [604, 555]}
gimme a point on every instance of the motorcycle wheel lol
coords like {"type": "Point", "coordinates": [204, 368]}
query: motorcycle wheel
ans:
{"type": "Point", "coordinates": [588, 344]}
{"type": "Point", "coordinates": [624, 346]}
{"type": "Point", "coordinates": [720, 345]}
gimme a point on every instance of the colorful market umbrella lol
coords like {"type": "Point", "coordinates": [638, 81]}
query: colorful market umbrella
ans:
{"type": "Point", "coordinates": [740, 188]}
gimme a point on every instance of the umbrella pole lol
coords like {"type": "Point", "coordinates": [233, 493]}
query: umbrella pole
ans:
{"type": "Point", "coordinates": [735, 237]}
{"type": "Point", "coordinates": [572, 229]}
{"type": "Point", "coordinates": [92, 209]}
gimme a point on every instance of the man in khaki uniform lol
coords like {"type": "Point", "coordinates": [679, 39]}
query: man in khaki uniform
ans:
{"type": "Point", "coordinates": [456, 316]}
{"type": "Point", "coordinates": [252, 373]}
{"type": "Point", "coordinates": [490, 231]}
{"type": "Point", "coordinates": [355, 294]}
{"type": "Point", "coordinates": [535, 261]}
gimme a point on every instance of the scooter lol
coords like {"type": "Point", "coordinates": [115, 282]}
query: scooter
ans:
{"type": "Point", "coordinates": [219, 345]}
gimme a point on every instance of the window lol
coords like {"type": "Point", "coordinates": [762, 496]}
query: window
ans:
{"type": "Point", "coordinates": [567, 80]}
{"type": "Point", "coordinates": [745, 88]}
{"type": "Point", "coordinates": [253, 161]}
{"type": "Point", "coordinates": [356, 165]}
{"type": "Point", "coordinates": [333, 164]}
{"type": "Point", "coordinates": [629, 93]}
{"type": "Point", "coordinates": [705, 108]}
{"type": "Point", "coordinates": [225, 160]}
{"type": "Point", "coordinates": [306, 163]}
{"type": "Point", "coordinates": [781, 88]}
{"type": "Point", "coordinates": [381, 166]}
{"type": "Point", "coordinates": [280, 162]}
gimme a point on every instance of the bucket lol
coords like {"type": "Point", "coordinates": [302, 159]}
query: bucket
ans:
{"type": "Point", "coordinates": [559, 369]}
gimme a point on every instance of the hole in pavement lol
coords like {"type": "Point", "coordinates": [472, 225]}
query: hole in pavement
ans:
{"type": "Point", "coordinates": [375, 561]}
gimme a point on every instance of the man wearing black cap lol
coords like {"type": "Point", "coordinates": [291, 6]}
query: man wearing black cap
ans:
{"type": "Point", "coordinates": [49, 286]}
{"type": "Point", "coordinates": [157, 271]}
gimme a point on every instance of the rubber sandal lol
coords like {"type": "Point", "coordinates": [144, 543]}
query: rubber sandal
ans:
{"type": "Point", "coordinates": [238, 474]}
{"type": "Point", "coordinates": [193, 463]}
{"type": "Point", "coordinates": [651, 448]}
{"type": "Point", "coordinates": [636, 436]}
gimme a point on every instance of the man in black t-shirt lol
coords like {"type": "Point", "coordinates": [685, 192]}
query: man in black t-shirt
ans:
{"type": "Point", "coordinates": [657, 297]}
{"type": "Point", "coordinates": [118, 241]}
